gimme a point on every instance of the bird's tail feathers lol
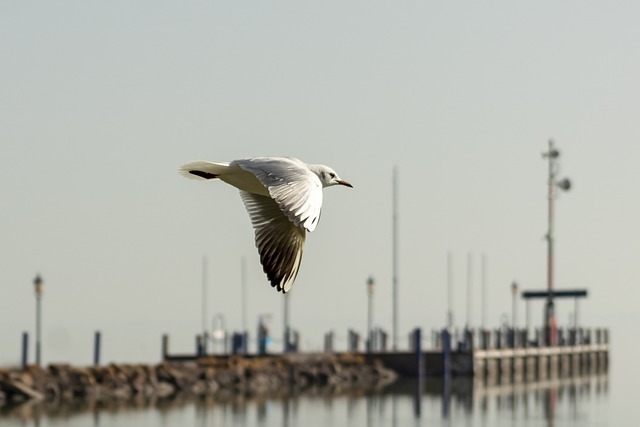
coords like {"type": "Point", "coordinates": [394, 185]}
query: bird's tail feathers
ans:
{"type": "Point", "coordinates": [203, 170]}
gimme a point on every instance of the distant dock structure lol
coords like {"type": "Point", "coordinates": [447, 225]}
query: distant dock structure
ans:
{"type": "Point", "coordinates": [578, 353]}
{"type": "Point", "coordinates": [504, 354]}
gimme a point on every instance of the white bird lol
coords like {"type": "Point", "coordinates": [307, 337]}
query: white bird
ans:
{"type": "Point", "coordinates": [283, 196]}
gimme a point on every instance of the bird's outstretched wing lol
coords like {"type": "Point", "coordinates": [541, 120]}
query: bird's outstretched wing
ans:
{"type": "Point", "coordinates": [296, 190]}
{"type": "Point", "coordinates": [279, 241]}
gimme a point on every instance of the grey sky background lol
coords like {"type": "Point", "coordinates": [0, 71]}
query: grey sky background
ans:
{"type": "Point", "coordinates": [100, 103]}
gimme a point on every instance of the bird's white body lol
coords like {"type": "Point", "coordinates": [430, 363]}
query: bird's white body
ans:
{"type": "Point", "coordinates": [283, 197]}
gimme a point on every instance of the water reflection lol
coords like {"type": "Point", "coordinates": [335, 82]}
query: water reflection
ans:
{"type": "Point", "coordinates": [549, 402]}
{"type": "Point", "coordinates": [566, 397]}
{"type": "Point", "coordinates": [492, 403]}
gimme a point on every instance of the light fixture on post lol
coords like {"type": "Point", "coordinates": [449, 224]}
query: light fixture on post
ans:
{"type": "Point", "coordinates": [550, 325]}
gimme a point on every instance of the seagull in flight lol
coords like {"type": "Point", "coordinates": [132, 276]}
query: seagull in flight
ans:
{"type": "Point", "coordinates": [283, 197]}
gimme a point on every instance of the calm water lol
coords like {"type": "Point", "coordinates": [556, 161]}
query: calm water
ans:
{"type": "Point", "coordinates": [581, 401]}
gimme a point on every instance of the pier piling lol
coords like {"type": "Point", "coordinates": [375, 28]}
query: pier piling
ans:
{"type": "Point", "coordinates": [96, 348]}
{"type": "Point", "coordinates": [25, 349]}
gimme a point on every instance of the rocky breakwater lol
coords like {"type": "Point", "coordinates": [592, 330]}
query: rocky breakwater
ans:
{"type": "Point", "coordinates": [206, 376]}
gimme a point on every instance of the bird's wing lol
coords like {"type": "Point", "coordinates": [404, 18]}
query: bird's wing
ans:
{"type": "Point", "coordinates": [296, 190]}
{"type": "Point", "coordinates": [201, 169]}
{"type": "Point", "coordinates": [279, 241]}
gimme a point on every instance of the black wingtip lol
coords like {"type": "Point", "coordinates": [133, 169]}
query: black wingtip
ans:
{"type": "Point", "coordinates": [202, 174]}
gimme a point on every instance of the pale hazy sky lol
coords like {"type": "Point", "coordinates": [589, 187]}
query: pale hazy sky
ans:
{"type": "Point", "coordinates": [101, 102]}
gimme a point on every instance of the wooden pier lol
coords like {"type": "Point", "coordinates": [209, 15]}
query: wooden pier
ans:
{"type": "Point", "coordinates": [541, 362]}
{"type": "Point", "coordinates": [500, 358]}
{"type": "Point", "coordinates": [503, 354]}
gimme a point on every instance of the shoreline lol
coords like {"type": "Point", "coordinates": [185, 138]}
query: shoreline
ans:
{"type": "Point", "coordinates": [205, 376]}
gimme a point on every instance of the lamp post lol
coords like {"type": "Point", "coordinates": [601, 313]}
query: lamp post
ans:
{"type": "Point", "coordinates": [37, 283]}
{"type": "Point", "coordinates": [370, 289]}
{"type": "Point", "coordinates": [394, 260]}
{"type": "Point", "coordinates": [205, 334]}
{"type": "Point", "coordinates": [549, 312]}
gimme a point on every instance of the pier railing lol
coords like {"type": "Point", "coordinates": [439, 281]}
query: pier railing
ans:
{"type": "Point", "coordinates": [508, 351]}
{"type": "Point", "coordinates": [501, 338]}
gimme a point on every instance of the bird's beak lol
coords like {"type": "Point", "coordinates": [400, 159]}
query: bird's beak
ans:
{"type": "Point", "coordinates": [345, 183]}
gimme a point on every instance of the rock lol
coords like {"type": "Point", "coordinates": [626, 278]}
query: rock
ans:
{"type": "Point", "coordinates": [226, 378]}
{"type": "Point", "coordinates": [163, 389]}
{"type": "Point", "coordinates": [199, 387]}
{"type": "Point", "coordinates": [121, 392]}
{"type": "Point", "coordinates": [17, 390]}
{"type": "Point", "coordinates": [260, 384]}
{"type": "Point", "coordinates": [233, 376]}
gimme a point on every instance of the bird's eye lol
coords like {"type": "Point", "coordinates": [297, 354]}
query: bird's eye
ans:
{"type": "Point", "coordinates": [332, 175]}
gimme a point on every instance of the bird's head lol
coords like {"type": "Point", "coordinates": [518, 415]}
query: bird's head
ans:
{"type": "Point", "coordinates": [328, 176]}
